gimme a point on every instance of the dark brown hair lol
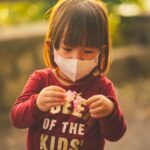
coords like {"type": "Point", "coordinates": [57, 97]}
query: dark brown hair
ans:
{"type": "Point", "coordinates": [82, 23]}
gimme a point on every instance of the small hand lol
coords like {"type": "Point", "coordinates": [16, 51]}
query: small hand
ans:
{"type": "Point", "coordinates": [99, 106]}
{"type": "Point", "coordinates": [50, 97]}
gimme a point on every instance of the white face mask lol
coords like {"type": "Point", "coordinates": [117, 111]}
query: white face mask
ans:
{"type": "Point", "coordinates": [75, 69]}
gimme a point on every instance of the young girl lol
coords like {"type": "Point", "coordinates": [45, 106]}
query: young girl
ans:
{"type": "Point", "coordinates": [71, 105]}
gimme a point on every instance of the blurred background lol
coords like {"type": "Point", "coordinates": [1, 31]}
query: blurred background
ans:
{"type": "Point", "coordinates": [23, 25]}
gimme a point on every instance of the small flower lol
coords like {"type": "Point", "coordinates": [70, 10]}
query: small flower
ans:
{"type": "Point", "coordinates": [70, 95]}
{"type": "Point", "coordinates": [73, 96]}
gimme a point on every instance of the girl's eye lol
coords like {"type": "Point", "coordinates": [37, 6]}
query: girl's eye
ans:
{"type": "Point", "coordinates": [88, 52]}
{"type": "Point", "coordinates": [67, 49]}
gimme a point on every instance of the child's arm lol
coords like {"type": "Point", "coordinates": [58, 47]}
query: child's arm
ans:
{"type": "Point", "coordinates": [25, 112]}
{"type": "Point", "coordinates": [113, 126]}
{"type": "Point", "coordinates": [111, 118]}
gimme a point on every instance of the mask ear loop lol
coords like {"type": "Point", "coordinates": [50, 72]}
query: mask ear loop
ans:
{"type": "Point", "coordinates": [52, 48]}
{"type": "Point", "coordinates": [96, 71]}
{"type": "Point", "coordinates": [102, 59]}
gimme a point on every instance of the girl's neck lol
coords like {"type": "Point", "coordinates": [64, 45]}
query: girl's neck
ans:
{"type": "Point", "coordinates": [67, 82]}
{"type": "Point", "coordinates": [62, 78]}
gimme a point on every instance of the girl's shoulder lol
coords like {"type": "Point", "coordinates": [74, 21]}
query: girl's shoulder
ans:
{"type": "Point", "coordinates": [43, 75]}
{"type": "Point", "coordinates": [103, 84]}
{"type": "Point", "coordinates": [102, 79]}
{"type": "Point", "coordinates": [43, 72]}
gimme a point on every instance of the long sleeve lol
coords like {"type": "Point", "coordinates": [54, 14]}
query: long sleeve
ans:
{"type": "Point", "coordinates": [113, 127]}
{"type": "Point", "coordinates": [24, 113]}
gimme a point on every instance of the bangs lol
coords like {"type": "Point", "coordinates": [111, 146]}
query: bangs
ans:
{"type": "Point", "coordinates": [84, 27]}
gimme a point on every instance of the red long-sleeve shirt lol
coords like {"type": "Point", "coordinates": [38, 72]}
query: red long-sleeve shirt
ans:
{"type": "Point", "coordinates": [62, 127]}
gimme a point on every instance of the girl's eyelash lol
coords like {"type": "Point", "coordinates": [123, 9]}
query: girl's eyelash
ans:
{"type": "Point", "coordinates": [85, 51]}
{"type": "Point", "coordinates": [88, 52]}
{"type": "Point", "coordinates": [67, 49]}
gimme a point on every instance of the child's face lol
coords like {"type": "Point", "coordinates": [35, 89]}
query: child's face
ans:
{"type": "Point", "coordinates": [82, 53]}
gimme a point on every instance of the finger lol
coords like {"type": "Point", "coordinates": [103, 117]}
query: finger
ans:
{"type": "Point", "coordinates": [54, 100]}
{"type": "Point", "coordinates": [95, 104]}
{"type": "Point", "coordinates": [93, 99]}
{"type": "Point", "coordinates": [97, 116]}
{"type": "Point", "coordinates": [96, 110]}
{"type": "Point", "coordinates": [54, 104]}
{"type": "Point", "coordinates": [99, 113]}
{"type": "Point", "coordinates": [55, 94]}
{"type": "Point", "coordinates": [55, 88]}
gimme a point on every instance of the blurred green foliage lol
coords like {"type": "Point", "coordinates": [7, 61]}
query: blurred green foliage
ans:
{"type": "Point", "coordinates": [31, 11]}
{"type": "Point", "coordinates": [23, 12]}
{"type": "Point", "coordinates": [114, 2]}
